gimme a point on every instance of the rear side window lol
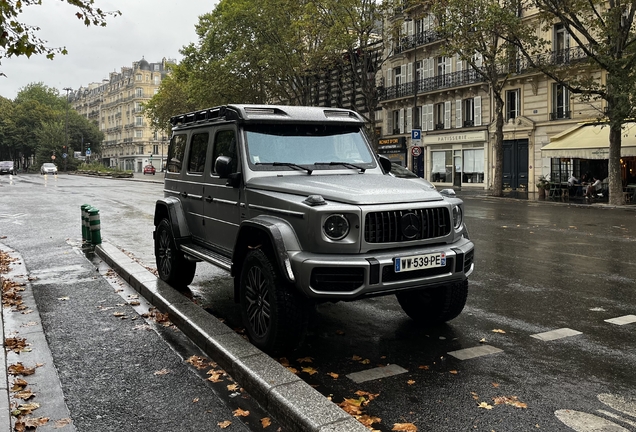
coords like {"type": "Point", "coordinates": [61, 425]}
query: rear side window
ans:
{"type": "Point", "coordinates": [176, 152]}
{"type": "Point", "coordinates": [225, 145]}
{"type": "Point", "coordinates": [198, 150]}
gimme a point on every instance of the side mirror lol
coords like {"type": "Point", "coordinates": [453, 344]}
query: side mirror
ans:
{"type": "Point", "coordinates": [385, 163]}
{"type": "Point", "coordinates": [223, 166]}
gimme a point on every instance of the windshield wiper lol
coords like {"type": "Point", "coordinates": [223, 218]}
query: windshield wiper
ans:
{"type": "Point", "coordinates": [288, 164]}
{"type": "Point", "coordinates": [344, 164]}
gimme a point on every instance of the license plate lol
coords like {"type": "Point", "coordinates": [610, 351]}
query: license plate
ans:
{"type": "Point", "coordinates": [418, 262]}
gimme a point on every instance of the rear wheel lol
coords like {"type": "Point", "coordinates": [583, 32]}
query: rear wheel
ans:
{"type": "Point", "coordinates": [172, 265]}
{"type": "Point", "coordinates": [273, 314]}
{"type": "Point", "coordinates": [435, 305]}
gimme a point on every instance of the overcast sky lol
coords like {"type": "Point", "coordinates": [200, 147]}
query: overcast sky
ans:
{"type": "Point", "coordinates": [151, 29]}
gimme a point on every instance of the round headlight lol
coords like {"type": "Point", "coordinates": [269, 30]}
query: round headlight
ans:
{"type": "Point", "coordinates": [457, 217]}
{"type": "Point", "coordinates": [336, 227]}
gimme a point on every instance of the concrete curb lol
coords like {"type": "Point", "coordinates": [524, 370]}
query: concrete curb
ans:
{"type": "Point", "coordinates": [294, 403]}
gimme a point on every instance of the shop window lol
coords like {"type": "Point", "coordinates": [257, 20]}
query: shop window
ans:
{"type": "Point", "coordinates": [442, 162]}
{"type": "Point", "coordinates": [473, 166]}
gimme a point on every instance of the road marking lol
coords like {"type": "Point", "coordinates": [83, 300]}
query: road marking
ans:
{"type": "Point", "coordinates": [626, 319]}
{"type": "Point", "coordinates": [584, 422]}
{"type": "Point", "coordinates": [556, 334]}
{"type": "Point", "coordinates": [478, 351]}
{"type": "Point", "coordinates": [617, 417]}
{"type": "Point", "coordinates": [619, 403]}
{"type": "Point", "coordinates": [376, 373]}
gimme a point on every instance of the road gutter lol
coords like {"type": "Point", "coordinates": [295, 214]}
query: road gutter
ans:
{"type": "Point", "coordinates": [291, 401]}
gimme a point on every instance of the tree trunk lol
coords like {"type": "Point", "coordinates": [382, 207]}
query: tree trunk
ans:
{"type": "Point", "coordinates": [497, 181]}
{"type": "Point", "coordinates": [616, 196]}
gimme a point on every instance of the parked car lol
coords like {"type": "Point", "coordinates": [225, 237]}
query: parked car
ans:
{"type": "Point", "coordinates": [48, 168]}
{"type": "Point", "coordinates": [7, 167]}
{"type": "Point", "coordinates": [293, 202]}
{"type": "Point", "coordinates": [149, 169]}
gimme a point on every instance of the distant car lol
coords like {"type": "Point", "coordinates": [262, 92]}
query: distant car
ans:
{"type": "Point", "coordinates": [48, 168]}
{"type": "Point", "coordinates": [6, 167]}
{"type": "Point", "coordinates": [402, 172]}
{"type": "Point", "coordinates": [149, 169]}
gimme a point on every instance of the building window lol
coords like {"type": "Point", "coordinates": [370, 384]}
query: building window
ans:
{"type": "Point", "coordinates": [396, 122]}
{"type": "Point", "coordinates": [155, 67]}
{"type": "Point", "coordinates": [442, 162]}
{"type": "Point", "coordinates": [473, 166]}
{"type": "Point", "coordinates": [438, 115]}
{"type": "Point", "coordinates": [140, 149]}
{"type": "Point", "coordinates": [139, 92]}
{"type": "Point", "coordinates": [397, 76]}
{"type": "Point", "coordinates": [560, 102]}
{"type": "Point", "coordinates": [157, 79]}
{"type": "Point", "coordinates": [561, 43]}
{"type": "Point", "coordinates": [513, 104]}
{"type": "Point", "coordinates": [137, 106]}
{"type": "Point", "coordinates": [138, 77]}
{"type": "Point", "coordinates": [139, 133]}
{"type": "Point", "coordinates": [469, 112]}
{"type": "Point", "coordinates": [417, 117]}
{"type": "Point", "coordinates": [155, 149]}
{"type": "Point", "coordinates": [139, 121]}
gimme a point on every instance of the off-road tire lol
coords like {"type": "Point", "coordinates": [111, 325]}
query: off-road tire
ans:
{"type": "Point", "coordinates": [434, 306]}
{"type": "Point", "coordinates": [275, 317]}
{"type": "Point", "coordinates": [172, 266]}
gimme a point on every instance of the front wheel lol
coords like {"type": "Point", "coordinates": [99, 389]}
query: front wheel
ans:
{"type": "Point", "coordinates": [435, 305]}
{"type": "Point", "coordinates": [172, 265]}
{"type": "Point", "coordinates": [273, 314]}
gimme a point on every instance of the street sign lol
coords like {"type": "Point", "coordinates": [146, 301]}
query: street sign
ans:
{"type": "Point", "coordinates": [416, 151]}
{"type": "Point", "coordinates": [88, 152]}
{"type": "Point", "coordinates": [416, 134]}
{"type": "Point", "coordinates": [64, 155]}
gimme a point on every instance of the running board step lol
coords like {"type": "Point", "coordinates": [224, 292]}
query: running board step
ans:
{"type": "Point", "coordinates": [207, 255]}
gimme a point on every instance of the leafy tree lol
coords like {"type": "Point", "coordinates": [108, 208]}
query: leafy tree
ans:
{"type": "Point", "coordinates": [6, 129]}
{"type": "Point", "coordinates": [604, 33]}
{"type": "Point", "coordinates": [18, 38]}
{"type": "Point", "coordinates": [476, 31]}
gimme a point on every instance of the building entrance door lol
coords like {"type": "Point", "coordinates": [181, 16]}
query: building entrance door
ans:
{"type": "Point", "coordinates": [515, 164]}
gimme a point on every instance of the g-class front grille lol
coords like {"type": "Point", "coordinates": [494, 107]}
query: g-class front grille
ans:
{"type": "Point", "coordinates": [406, 225]}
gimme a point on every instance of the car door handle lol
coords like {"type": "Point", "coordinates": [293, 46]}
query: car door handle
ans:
{"type": "Point", "coordinates": [184, 194]}
{"type": "Point", "coordinates": [209, 199]}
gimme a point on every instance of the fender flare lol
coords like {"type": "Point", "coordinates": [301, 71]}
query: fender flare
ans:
{"type": "Point", "coordinates": [281, 237]}
{"type": "Point", "coordinates": [170, 208]}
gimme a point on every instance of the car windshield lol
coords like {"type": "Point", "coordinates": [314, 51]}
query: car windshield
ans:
{"type": "Point", "coordinates": [287, 147]}
{"type": "Point", "coordinates": [49, 165]}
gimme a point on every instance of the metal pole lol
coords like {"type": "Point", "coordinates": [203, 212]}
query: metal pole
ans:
{"type": "Point", "coordinates": [68, 89]}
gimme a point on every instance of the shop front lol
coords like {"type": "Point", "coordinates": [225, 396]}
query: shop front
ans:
{"type": "Point", "coordinates": [457, 159]}
{"type": "Point", "coordinates": [584, 149]}
{"type": "Point", "coordinates": [394, 149]}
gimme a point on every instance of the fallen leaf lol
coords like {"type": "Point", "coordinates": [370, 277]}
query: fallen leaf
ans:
{"type": "Point", "coordinates": [215, 377]}
{"type": "Point", "coordinates": [509, 400]}
{"type": "Point", "coordinates": [240, 413]}
{"type": "Point", "coordinates": [485, 405]}
{"type": "Point", "coordinates": [283, 361]}
{"type": "Point", "coordinates": [356, 358]}
{"type": "Point", "coordinates": [162, 372]}
{"type": "Point", "coordinates": [19, 369]}
{"type": "Point", "coordinates": [134, 303]}
{"type": "Point", "coordinates": [198, 362]}
{"type": "Point", "coordinates": [195, 400]}
{"type": "Point", "coordinates": [475, 396]}
{"type": "Point", "coordinates": [408, 427]}
{"type": "Point", "coordinates": [309, 370]}
{"type": "Point", "coordinates": [62, 422]}
{"type": "Point", "coordinates": [482, 340]}
{"type": "Point", "coordinates": [333, 375]}
{"type": "Point", "coordinates": [24, 395]}
{"type": "Point", "coordinates": [266, 422]}
{"type": "Point", "coordinates": [232, 387]}
{"type": "Point", "coordinates": [293, 370]}
{"type": "Point", "coordinates": [305, 360]}
{"type": "Point", "coordinates": [369, 396]}
{"type": "Point", "coordinates": [118, 314]}
{"type": "Point", "coordinates": [495, 385]}
{"type": "Point", "coordinates": [368, 420]}
{"type": "Point", "coordinates": [498, 331]}
{"type": "Point", "coordinates": [19, 384]}
{"type": "Point", "coordinates": [424, 367]}
{"type": "Point", "coordinates": [365, 361]}
{"type": "Point", "coordinates": [35, 422]}
{"type": "Point", "coordinates": [224, 424]}
{"type": "Point", "coordinates": [454, 372]}
{"type": "Point", "coordinates": [27, 408]}
{"type": "Point", "coordinates": [410, 382]}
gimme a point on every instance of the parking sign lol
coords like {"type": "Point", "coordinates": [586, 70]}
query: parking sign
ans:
{"type": "Point", "coordinates": [416, 134]}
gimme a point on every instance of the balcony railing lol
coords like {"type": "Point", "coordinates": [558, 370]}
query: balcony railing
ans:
{"type": "Point", "coordinates": [421, 38]}
{"type": "Point", "coordinates": [560, 115]}
{"type": "Point", "coordinates": [470, 76]}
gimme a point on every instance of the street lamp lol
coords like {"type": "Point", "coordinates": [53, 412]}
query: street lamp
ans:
{"type": "Point", "coordinates": [68, 89]}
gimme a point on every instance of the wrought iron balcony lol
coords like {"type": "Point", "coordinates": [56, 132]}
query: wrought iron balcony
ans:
{"type": "Point", "coordinates": [560, 115]}
{"type": "Point", "coordinates": [418, 39]}
{"type": "Point", "coordinates": [426, 85]}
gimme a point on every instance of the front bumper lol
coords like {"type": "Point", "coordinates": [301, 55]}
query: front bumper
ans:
{"type": "Point", "coordinates": [349, 277]}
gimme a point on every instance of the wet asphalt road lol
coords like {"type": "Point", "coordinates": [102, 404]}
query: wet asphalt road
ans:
{"type": "Point", "coordinates": [539, 267]}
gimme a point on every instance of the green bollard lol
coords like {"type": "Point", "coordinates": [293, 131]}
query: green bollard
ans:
{"type": "Point", "coordinates": [84, 208]}
{"type": "Point", "coordinates": [95, 228]}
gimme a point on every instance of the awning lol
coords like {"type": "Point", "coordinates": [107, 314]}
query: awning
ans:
{"type": "Point", "coordinates": [589, 141]}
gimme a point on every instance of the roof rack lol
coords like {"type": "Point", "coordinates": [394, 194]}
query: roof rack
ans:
{"type": "Point", "coordinates": [207, 115]}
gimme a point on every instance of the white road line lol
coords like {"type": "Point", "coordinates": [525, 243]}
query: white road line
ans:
{"type": "Point", "coordinates": [619, 403]}
{"type": "Point", "coordinates": [478, 351]}
{"type": "Point", "coordinates": [584, 422]}
{"type": "Point", "coordinates": [376, 373]}
{"type": "Point", "coordinates": [616, 417]}
{"type": "Point", "coordinates": [626, 319]}
{"type": "Point", "coordinates": [556, 334]}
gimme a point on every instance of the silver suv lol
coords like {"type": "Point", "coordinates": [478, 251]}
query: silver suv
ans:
{"type": "Point", "coordinates": [293, 202]}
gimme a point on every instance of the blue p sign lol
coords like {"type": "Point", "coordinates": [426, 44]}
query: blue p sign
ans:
{"type": "Point", "coordinates": [416, 134]}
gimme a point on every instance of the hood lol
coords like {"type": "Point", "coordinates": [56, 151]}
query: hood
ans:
{"type": "Point", "coordinates": [357, 189]}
